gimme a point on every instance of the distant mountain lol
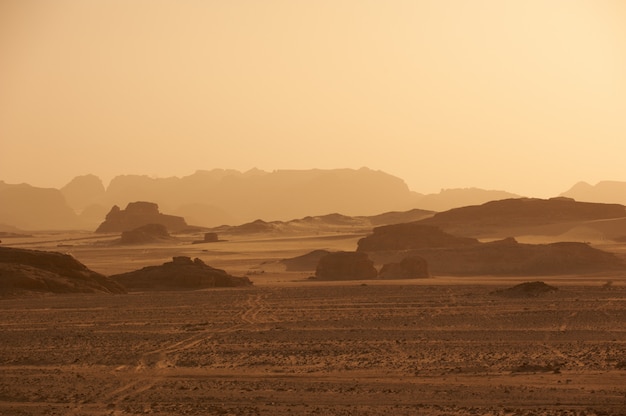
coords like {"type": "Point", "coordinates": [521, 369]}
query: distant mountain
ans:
{"type": "Point", "coordinates": [605, 191]}
{"type": "Point", "coordinates": [31, 208]}
{"type": "Point", "coordinates": [83, 191]}
{"type": "Point", "coordinates": [217, 197]}
{"type": "Point", "coordinates": [277, 195]}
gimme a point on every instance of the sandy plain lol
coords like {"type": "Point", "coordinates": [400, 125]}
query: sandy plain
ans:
{"type": "Point", "coordinates": [292, 346]}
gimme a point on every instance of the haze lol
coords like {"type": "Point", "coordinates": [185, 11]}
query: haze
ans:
{"type": "Point", "coordinates": [525, 96]}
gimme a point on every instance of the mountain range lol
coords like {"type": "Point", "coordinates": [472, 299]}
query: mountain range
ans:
{"type": "Point", "coordinates": [217, 197]}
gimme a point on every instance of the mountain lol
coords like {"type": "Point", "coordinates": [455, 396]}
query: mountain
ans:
{"type": "Point", "coordinates": [277, 195]}
{"type": "Point", "coordinates": [30, 208]}
{"type": "Point", "coordinates": [605, 191]}
{"type": "Point", "coordinates": [83, 191]}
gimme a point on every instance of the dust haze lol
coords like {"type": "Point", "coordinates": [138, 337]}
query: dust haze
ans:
{"type": "Point", "coordinates": [312, 208]}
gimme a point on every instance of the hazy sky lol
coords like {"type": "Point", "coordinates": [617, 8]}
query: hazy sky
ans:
{"type": "Point", "coordinates": [527, 96]}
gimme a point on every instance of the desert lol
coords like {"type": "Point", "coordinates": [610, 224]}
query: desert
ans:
{"type": "Point", "coordinates": [288, 344]}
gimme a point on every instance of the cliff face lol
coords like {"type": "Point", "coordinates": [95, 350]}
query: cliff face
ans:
{"type": "Point", "coordinates": [138, 214]}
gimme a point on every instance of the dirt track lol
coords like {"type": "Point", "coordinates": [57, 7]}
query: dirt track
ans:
{"type": "Point", "coordinates": [311, 348]}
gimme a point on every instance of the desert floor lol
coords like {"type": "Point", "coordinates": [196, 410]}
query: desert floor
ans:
{"type": "Point", "coordinates": [292, 346]}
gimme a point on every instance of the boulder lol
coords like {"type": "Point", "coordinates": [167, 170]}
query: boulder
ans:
{"type": "Point", "coordinates": [345, 265]}
{"type": "Point", "coordinates": [412, 267]}
{"type": "Point", "coordinates": [138, 214]}
{"type": "Point", "coordinates": [182, 273]}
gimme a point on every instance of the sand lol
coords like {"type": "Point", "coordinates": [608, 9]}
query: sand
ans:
{"type": "Point", "coordinates": [291, 346]}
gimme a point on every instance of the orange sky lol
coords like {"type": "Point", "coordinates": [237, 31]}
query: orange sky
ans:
{"type": "Point", "coordinates": [527, 96]}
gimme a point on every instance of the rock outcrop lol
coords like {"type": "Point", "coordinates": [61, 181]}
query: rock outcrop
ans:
{"type": "Point", "coordinates": [345, 265]}
{"type": "Point", "coordinates": [32, 271]}
{"type": "Point", "coordinates": [146, 234]}
{"type": "Point", "coordinates": [138, 214]}
{"type": "Point", "coordinates": [526, 290]}
{"type": "Point", "coordinates": [181, 273]}
{"type": "Point", "coordinates": [412, 267]}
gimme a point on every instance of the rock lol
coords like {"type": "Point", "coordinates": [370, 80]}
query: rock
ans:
{"type": "Point", "coordinates": [345, 265]}
{"type": "Point", "coordinates": [138, 214]}
{"type": "Point", "coordinates": [182, 273]}
{"type": "Point", "coordinates": [146, 234]}
{"type": "Point", "coordinates": [26, 271]}
{"type": "Point", "coordinates": [526, 290]}
{"type": "Point", "coordinates": [413, 267]}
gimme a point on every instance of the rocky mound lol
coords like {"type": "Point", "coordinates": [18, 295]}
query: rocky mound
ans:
{"type": "Point", "coordinates": [27, 271]}
{"type": "Point", "coordinates": [181, 273]}
{"type": "Point", "coordinates": [146, 234]}
{"type": "Point", "coordinates": [413, 235]}
{"type": "Point", "coordinates": [138, 214]}
{"type": "Point", "coordinates": [306, 262]}
{"type": "Point", "coordinates": [526, 290]}
{"type": "Point", "coordinates": [412, 267]}
{"type": "Point", "coordinates": [345, 265]}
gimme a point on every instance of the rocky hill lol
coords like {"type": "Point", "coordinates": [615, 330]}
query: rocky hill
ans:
{"type": "Point", "coordinates": [31, 271]}
{"type": "Point", "coordinates": [523, 216]}
{"type": "Point", "coordinates": [410, 236]}
{"type": "Point", "coordinates": [138, 214]}
{"type": "Point", "coordinates": [181, 273]}
{"type": "Point", "coordinates": [446, 254]}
